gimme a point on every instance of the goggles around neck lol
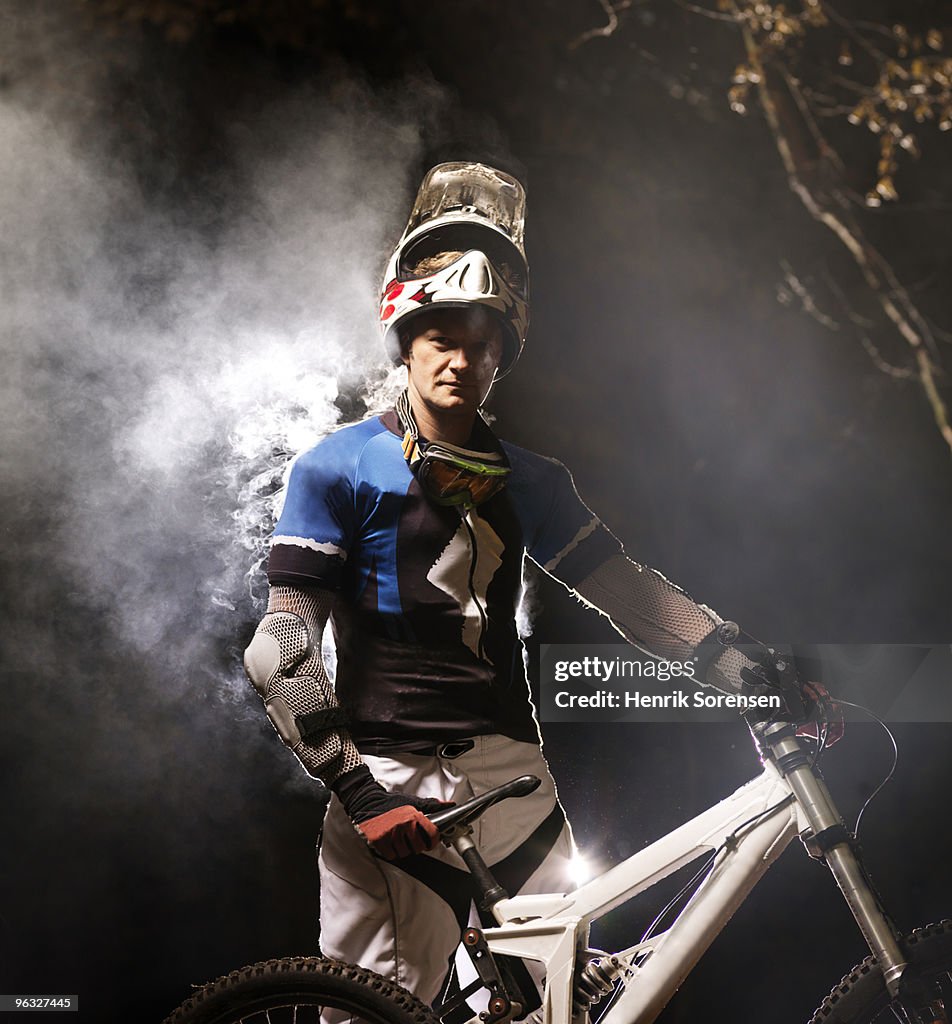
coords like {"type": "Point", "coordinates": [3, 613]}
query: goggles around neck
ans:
{"type": "Point", "coordinates": [448, 474]}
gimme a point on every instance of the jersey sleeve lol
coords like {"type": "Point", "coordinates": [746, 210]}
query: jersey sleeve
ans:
{"type": "Point", "coordinates": [316, 528]}
{"type": "Point", "coordinates": [562, 533]}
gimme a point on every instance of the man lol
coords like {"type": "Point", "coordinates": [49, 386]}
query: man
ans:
{"type": "Point", "coordinates": [408, 531]}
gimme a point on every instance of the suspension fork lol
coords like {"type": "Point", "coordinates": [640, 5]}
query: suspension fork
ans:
{"type": "Point", "coordinates": [828, 839]}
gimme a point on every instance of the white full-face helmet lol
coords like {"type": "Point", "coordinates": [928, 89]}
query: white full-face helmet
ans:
{"type": "Point", "coordinates": [462, 246]}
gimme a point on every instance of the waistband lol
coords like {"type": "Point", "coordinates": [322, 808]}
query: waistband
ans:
{"type": "Point", "coordinates": [447, 749]}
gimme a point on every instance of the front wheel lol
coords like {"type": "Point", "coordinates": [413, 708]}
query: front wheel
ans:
{"type": "Point", "coordinates": [300, 990]}
{"type": "Point", "coordinates": [861, 997]}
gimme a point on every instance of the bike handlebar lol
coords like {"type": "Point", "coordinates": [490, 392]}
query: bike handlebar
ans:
{"type": "Point", "coordinates": [469, 811]}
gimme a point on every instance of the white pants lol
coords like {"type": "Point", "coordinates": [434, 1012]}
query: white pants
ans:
{"type": "Point", "coordinates": [403, 920]}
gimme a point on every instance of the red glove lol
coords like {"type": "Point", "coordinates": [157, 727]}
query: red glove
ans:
{"type": "Point", "coordinates": [394, 824]}
{"type": "Point", "coordinates": [400, 832]}
{"type": "Point", "coordinates": [823, 711]}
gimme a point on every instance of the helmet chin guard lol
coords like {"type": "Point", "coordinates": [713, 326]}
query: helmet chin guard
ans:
{"type": "Point", "coordinates": [477, 214]}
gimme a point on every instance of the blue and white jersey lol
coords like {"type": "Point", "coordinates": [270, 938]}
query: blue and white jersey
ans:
{"type": "Point", "coordinates": [425, 629]}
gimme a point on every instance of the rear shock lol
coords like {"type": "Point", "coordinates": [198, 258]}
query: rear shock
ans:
{"type": "Point", "coordinates": [593, 981]}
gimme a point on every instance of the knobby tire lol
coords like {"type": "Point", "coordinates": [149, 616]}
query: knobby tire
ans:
{"type": "Point", "coordinates": [861, 997]}
{"type": "Point", "coordinates": [291, 990]}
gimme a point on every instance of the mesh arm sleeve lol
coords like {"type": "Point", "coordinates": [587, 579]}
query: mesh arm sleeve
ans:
{"type": "Point", "coordinates": [285, 665]}
{"type": "Point", "coordinates": [658, 617]}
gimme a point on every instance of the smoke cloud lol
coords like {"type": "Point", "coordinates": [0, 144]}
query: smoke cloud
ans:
{"type": "Point", "coordinates": [168, 344]}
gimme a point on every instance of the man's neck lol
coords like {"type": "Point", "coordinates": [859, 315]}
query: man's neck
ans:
{"type": "Point", "coordinates": [454, 428]}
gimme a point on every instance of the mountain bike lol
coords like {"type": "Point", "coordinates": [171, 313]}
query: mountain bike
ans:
{"type": "Point", "coordinates": [905, 978]}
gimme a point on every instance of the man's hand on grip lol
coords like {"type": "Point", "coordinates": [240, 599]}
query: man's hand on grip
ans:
{"type": "Point", "coordinates": [393, 824]}
{"type": "Point", "coordinates": [399, 833]}
{"type": "Point", "coordinates": [807, 703]}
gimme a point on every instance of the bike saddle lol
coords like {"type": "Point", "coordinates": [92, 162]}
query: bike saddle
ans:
{"type": "Point", "coordinates": [463, 814]}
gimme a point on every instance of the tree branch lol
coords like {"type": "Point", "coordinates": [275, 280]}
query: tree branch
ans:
{"type": "Point", "coordinates": [807, 302]}
{"type": "Point", "coordinates": [705, 12]}
{"type": "Point", "coordinates": [611, 12]}
{"type": "Point", "coordinates": [879, 276]}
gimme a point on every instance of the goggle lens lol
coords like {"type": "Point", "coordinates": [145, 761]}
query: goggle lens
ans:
{"type": "Point", "coordinates": [449, 483]}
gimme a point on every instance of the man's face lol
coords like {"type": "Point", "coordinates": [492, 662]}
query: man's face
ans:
{"type": "Point", "coordinates": [452, 357]}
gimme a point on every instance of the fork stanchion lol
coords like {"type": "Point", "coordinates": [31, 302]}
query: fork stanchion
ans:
{"type": "Point", "coordinates": [835, 845]}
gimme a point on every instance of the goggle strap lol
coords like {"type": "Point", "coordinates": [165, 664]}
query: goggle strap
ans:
{"type": "Point", "coordinates": [451, 458]}
{"type": "Point", "coordinates": [411, 448]}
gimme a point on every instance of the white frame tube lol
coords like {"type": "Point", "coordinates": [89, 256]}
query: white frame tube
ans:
{"type": "Point", "coordinates": [550, 927]}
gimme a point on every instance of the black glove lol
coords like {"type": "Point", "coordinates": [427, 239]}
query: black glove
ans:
{"type": "Point", "coordinates": [393, 824]}
{"type": "Point", "coordinates": [776, 674]}
{"type": "Point", "coordinates": [808, 704]}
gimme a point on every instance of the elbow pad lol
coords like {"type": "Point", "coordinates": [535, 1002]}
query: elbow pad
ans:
{"type": "Point", "coordinates": [284, 663]}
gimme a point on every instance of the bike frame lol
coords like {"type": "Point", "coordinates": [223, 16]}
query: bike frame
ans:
{"type": "Point", "coordinates": [750, 829]}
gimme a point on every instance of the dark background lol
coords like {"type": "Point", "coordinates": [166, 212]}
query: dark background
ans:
{"type": "Point", "coordinates": [187, 184]}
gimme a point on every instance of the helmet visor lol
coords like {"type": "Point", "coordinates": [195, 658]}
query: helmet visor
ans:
{"type": "Point", "coordinates": [474, 190]}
